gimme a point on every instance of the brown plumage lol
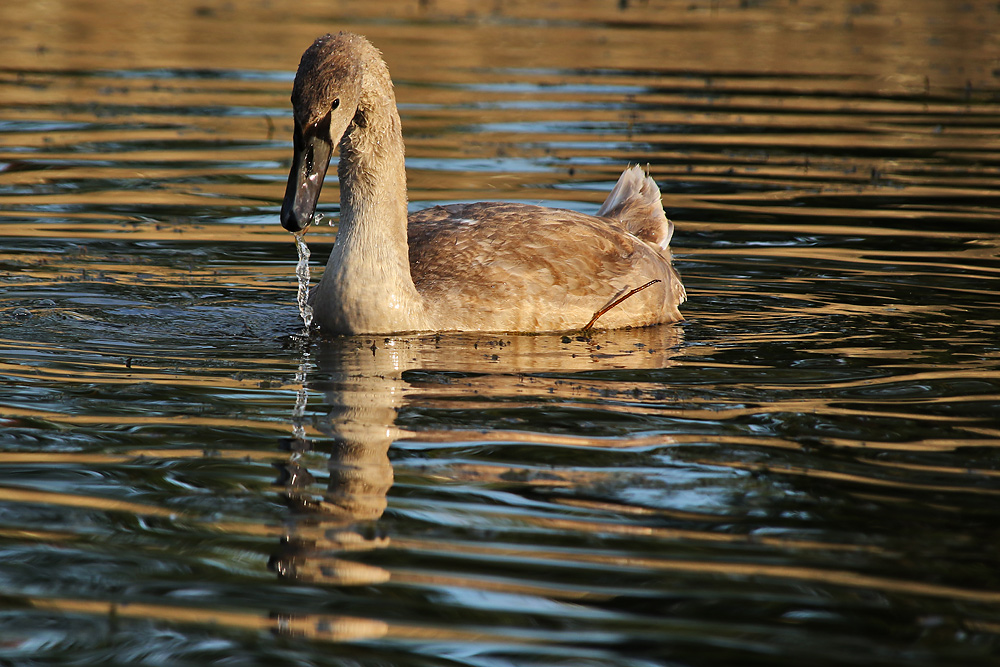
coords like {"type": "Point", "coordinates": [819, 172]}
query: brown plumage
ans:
{"type": "Point", "coordinates": [485, 266]}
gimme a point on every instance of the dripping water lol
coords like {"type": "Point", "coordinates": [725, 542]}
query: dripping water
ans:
{"type": "Point", "coordinates": [302, 273]}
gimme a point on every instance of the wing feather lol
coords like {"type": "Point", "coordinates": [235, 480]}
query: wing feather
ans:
{"type": "Point", "coordinates": [520, 267]}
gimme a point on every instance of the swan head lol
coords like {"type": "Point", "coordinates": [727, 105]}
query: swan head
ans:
{"type": "Point", "coordinates": [325, 98]}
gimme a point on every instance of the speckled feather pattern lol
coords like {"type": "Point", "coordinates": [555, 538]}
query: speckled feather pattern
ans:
{"type": "Point", "coordinates": [517, 267]}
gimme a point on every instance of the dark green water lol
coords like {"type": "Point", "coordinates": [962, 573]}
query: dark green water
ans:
{"type": "Point", "coordinates": [806, 471]}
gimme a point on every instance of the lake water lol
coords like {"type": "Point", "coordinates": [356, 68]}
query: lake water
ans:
{"type": "Point", "coordinates": [805, 471]}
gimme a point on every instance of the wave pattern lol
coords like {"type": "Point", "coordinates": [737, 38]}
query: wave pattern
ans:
{"type": "Point", "coordinates": [804, 470]}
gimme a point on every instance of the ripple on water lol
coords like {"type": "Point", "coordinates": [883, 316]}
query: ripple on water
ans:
{"type": "Point", "coordinates": [802, 472]}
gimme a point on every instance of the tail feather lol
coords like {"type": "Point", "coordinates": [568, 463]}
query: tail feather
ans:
{"type": "Point", "coordinates": [635, 201]}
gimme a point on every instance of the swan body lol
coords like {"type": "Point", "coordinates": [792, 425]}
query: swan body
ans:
{"type": "Point", "coordinates": [486, 266]}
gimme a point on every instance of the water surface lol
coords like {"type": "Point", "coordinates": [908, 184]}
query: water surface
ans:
{"type": "Point", "coordinates": [805, 471]}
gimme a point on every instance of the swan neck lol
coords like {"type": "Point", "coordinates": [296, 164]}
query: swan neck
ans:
{"type": "Point", "coordinates": [368, 275]}
{"type": "Point", "coordinates": [372, 174]}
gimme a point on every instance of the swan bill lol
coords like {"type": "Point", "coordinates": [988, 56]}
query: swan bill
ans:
{"type": "Point", "coordinates": [305, 179]}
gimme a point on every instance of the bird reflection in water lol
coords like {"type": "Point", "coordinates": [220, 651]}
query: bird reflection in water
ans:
{"type": "Point", "coordinates": [363, 388]}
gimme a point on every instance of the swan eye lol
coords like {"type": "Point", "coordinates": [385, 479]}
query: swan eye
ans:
{"type": "Point", "coordinates": [336, 103]}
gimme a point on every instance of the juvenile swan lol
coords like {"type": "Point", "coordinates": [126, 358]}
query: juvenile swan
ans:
{"type": "Point", "coordinates": [486, 266]}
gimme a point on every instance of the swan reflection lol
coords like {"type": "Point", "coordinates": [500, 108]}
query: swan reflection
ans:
{"type": "Point", "coordinates": [364, 383]}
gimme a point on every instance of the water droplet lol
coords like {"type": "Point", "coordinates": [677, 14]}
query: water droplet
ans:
{"type": "Point", "coordinates": [302, 273]}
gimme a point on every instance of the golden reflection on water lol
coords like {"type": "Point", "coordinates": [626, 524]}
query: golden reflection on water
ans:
{"type": "Point", "coordinates": [541, 102]}
{"type": "Point", "coordinates": [816, 37]}
{"type": "Point", "coordinates": [813, 152]}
